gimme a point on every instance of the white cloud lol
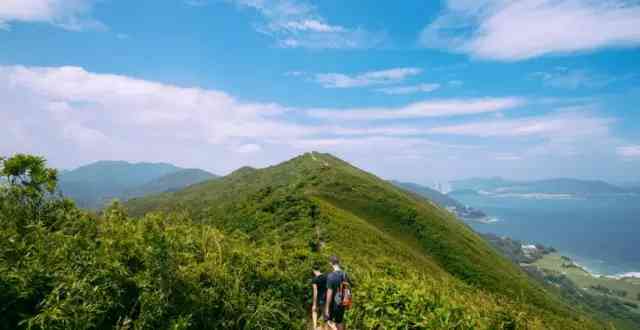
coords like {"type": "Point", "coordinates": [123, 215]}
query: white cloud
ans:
{"type": "Point", "coordinates": [382, 77]}
{"type": "Point", "coordinates": [248, 148]}
{"type": "Point", "coordinates": [374, 131]}
{"type": "Point", "coordinates": [437, 108]}
{"type": "Point", "coordinates": [68, 107]}
{"type": "Point", "coordinates": [72, 116]}
{"type": "Point", "coordinates": [387, 145]}
{"type": "Point", "coordinates": [572, 79]}
{"type": "Point", "coordinates": [297, 23]}
{"type": "Point", "coordinates": [570, 140]}
{"type": "Point", "coordinates": [517, 30]}
{"type": "Point", "coordinates": [71, 15]}
{"type": "Point", "coordinates": [563, 124]}
{"type": "Point", "coordinates": [295, 73]}
{"type": "Point", "coordinates": [629, 151]}
{"type": "Point", "coordinates": [84, 109]}
{"type": "Point", "coordinates": [402, 90]}
{"type": "Point", "coordinates": [312, 25]}
{"type": "Point", "coordinates": [507, 157]}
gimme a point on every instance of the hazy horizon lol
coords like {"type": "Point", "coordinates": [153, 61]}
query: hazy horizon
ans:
{"type": "Point", "coordinates": [427, 181]}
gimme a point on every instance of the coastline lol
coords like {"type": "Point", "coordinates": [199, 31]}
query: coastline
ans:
{"type": "Point", "coordinates": [528, 219]}
{"type": "Point", "coordinates": [628, 275]}
{"type": "Point", "coordinates": [625, 287]}
{"type": "Point", "coordinates": [486, 220]}
{"type": "Point", "coordinates": [488, 213]}
{"type": "Point", "coordinates": [526, 195]}
{"type": "Point", "coordinates": [611, 275]}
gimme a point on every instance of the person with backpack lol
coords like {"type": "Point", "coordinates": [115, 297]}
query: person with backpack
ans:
{"type": "Point", "coordinates": [319, 286]}
{"type": "Point", "coordinates": [338, 295]}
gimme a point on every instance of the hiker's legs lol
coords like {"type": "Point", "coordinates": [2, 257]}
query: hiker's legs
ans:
{"type": "Point", "coordinates": [314, 318]}
{"type": "Point", "coordinates": [318, 323]}
{"type": "Point", "coordinates": [336, 318]}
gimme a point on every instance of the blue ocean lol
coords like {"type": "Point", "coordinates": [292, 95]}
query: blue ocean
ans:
{"type": "Point", "coordinates": [600, 233]}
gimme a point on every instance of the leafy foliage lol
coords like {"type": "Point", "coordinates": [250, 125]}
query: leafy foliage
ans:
{"type": "Point", "coordinates": [234, 258]}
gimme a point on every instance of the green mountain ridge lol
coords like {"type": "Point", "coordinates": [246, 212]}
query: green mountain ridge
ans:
{"type": "Point", "coordinates": [170, 182]}
{"type": "Point", "coordinates": [95, 184]}
{"type": "Point", "coordinates": [376, 227]}
{"type": "Point", "coordinates": [126, 172]}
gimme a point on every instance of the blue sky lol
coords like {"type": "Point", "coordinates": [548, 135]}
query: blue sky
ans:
{"type": "Point", "coordinates": [417, 90]}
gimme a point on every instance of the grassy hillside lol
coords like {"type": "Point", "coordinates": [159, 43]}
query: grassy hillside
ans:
{"type": "Point", "coordinates": [381, 231]}
{"type": "Point", "coordinates": [170, 182]}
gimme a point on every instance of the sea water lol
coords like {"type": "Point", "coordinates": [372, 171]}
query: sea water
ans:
{"type": "Point", "coordinates": [601, 233]}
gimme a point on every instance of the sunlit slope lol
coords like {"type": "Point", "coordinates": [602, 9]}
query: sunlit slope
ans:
{"type": "Point", "coordinates": [375, 227]}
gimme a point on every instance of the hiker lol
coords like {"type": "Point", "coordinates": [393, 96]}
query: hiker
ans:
{"type": "Point", "coordinates": [319, 285]}
{"type": "Point", "coordinates": [338, 296]}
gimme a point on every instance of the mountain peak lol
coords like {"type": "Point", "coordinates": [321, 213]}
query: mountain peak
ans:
{"type": "Point", "coordinates": [312, 156]}
{"type": "Point", "coordinates": [245, 170]}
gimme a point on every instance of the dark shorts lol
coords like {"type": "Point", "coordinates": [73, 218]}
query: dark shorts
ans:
{"type": "Point", "coordinates": [336, 314]}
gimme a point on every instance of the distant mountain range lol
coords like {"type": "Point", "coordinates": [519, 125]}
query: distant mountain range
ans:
{"type": "Point", "coordinates": [171, 182]}
{"type": "Point", "coordinates": [550, 186]}
{"type": "Point", "coordinates": [632, 186]}
{"type": "Point", "coordinates": [95, 184]}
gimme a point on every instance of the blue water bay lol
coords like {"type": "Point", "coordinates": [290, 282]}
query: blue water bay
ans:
{"type": "Point", "coordinates": [600, 232]}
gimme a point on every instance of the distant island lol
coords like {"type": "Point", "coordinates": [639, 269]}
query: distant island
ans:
{"type": "Point", "coordinates": [549, 188]}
